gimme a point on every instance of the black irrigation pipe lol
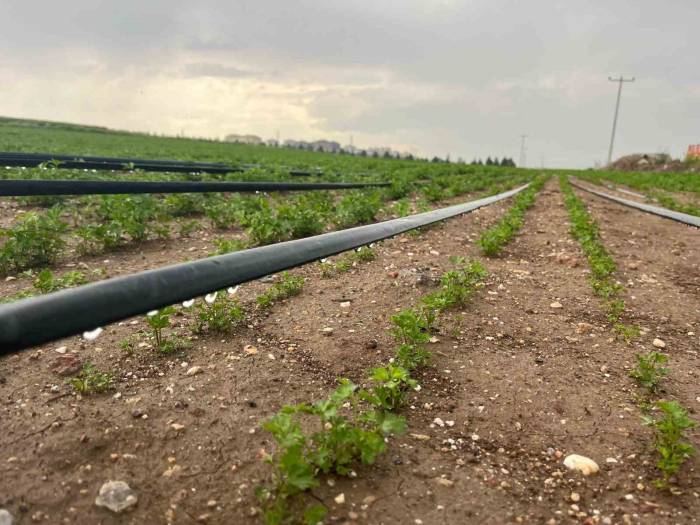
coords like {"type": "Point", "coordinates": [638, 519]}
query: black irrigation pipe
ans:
{"type": "Point", "coordinates": [121, 160]}
{"type": "Point", "coordinates": [113, 164]}
{"type": "Point", "coordinates": [685, 218]}
{"type": "Point", "coordinates": [25, 187]}
{"type": "Point", "coordinates": [36, 320]}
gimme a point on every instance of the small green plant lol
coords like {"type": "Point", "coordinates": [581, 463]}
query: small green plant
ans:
{"type": "Point", "coordinates": [219, 315]}
{"type": "Point", "coordinates": [364, 254]}
{"type": "Point", "coordinates": [457, 286]}
{"type": "Point", "coordinates": [401, 208]}
{"type": "Point", "coordinates": [288, 286]}
{"type": "Point", "coordinates": [228, 245]}
{"type": "Point", "coordinates": [158, 320]}
{"type": "Point", "coordinates": [410, 327]}
{"type": "Point", "coordinates": [412, 356]}
{"type": "Point", "coordinates": [650, 370]}
{"type": "Point", "coordinates": [91, 380]}
{"type": "Point", "coordinates": [391, 384]}
{"type": "Point", "coordinates": [345, 435]}
{"type": "Point", "coordinates": [35, 239]}
{"type": "Point", "coordinates": [46, 282]}
{"type": "Point", "coordinates": [357, 207]}
{"type": "Point", "coordinates": [128, 346]}
{"type": "Point", "coordinates": [187, 227]}
{"type": "Point", "coordinates": [670, 444]}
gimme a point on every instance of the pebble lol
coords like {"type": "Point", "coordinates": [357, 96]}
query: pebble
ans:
{"type": "Point", "coordinates": [116, 496]}
{"type": "Point", "coordinates": [340, 498]}
{"type": "Point", "coordinates": [5, 517]}
{"type": "Point", "coordinates": [61, 349]}
{"type": "Point", "coordinates": [444, 482]}
{"type": "Point", "coordinates": [556, 304]}
{"type": "Point", "coordinates": [439, 422]}
{"type": "Point", "coordinates": [658, 343]}
{"type": "Point", "coordinates": [327, 331]}
{"type": "Point", "coordinates": [584, 465]}
{"type": "Point", "coordinates": [575, 497]}
{"type": "Point", "coordinates": [194, 371]}
{"type": "Point", "coordinates": [177, 427]}
{"type": "Point", "coordinates": [250, 349]}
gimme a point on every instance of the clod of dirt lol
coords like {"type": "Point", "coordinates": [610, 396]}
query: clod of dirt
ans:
{"type": "Point", "coordinates": [5, 517]}
{"type": "Point", "coordinates": [582, 464]}
{"type": "Point", "coordinates": [583, 328]}
{"type": "Point", "coordinates": [116, 496]}
{"type": "Point", "coordinates": [66, 365]}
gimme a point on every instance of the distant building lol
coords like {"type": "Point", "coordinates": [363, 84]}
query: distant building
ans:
{"type": "Point", "coordinates": [326, 146]}
{"type": "Point", "coordinates": [243, 139]}
{"type": "Point", "coordinates": [693, 151]}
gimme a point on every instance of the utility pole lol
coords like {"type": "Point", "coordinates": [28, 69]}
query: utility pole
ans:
{"type": "Point", "coordinates": [617, 110]}
{"type": "Point", "coordinates": [523, 156]}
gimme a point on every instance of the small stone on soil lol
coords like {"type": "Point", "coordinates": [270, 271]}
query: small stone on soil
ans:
{"type": "Point", "coordinates": [584, 465]}
{"type": "Point", "coordinates": [658, 343]}
{"type": "Point", "coordinates": [5, 517]}
{"type": "Point", "coordinates": [194, 371]}
{"type": "Point", "coordinates": [116, 496]}
{"type": "Point", "coordinates": [340, 498]}
{"type": "Point", "coordinates": [556, 304]}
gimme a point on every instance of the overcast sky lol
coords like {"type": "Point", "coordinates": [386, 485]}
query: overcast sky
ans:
{"type": "Point", "coordinates": [432, 77]}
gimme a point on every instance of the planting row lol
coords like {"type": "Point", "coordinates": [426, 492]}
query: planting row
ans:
{"type": "Point", "coordinates": [668, 419]}
{"type": "Point", "coordinates": [102, 223]}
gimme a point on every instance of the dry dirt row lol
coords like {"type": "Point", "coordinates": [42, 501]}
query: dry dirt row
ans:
{"type": "Point", "coordinates": [520, 383]}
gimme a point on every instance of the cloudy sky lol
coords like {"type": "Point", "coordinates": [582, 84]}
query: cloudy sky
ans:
{"type": "Point", "coordinates": [432, 77]}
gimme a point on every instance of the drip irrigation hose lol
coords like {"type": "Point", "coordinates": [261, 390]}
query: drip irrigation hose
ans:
{"type": "Point", "coordinates": [685, 218]}
{"type": "Point", "coordinates": [36, 320]}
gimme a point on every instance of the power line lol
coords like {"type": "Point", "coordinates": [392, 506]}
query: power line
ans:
{"type": "Point", "coordinates": [619, 80]}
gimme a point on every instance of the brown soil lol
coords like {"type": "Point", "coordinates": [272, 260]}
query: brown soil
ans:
{"type": "Point", "coordinates": [523, 382]}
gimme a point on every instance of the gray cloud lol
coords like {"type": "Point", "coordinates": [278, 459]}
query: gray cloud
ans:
{"type": "Point", "coordinates": [206, 69]}
{"type": "Point", "coordinates": [466, 77]}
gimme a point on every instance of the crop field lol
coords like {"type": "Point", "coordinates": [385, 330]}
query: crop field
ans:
{"type": "Point", "coordinates": [529, 359]}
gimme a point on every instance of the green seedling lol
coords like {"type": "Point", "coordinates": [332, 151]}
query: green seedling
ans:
{"type": "Point", "coordinates": [45, 281]}
{"type": "Point", "coordinates": [34, 240]}
{"type": "Point", "coordinates": [345, 435]}
{"type": "Point", "coordinates": [218, 315]}
{"type": "Point", "coordinates": [228, 245]}
{"type": "Point", "coordinates": [91, 380]}
{"type": "Point", "coordinates": [288, 286]}
{"type": "Point", "coordinates": [186, 228]}
{"type": "Point", "coordinates": [650, 370]}
{"type": "Point", "coordinates": [670, 444]}
{"type": "Point", "coordinates": [158, 320]}
{"type": "Point", "coordinates": [364, 254]}
{"type": "Point", "coordinates": [410, 327]}
{"type": "Point", "coordinates": [390, 385]}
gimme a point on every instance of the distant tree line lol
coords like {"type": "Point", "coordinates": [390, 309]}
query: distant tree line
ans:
{"type": "Point", "coordinates": [505, 161]}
